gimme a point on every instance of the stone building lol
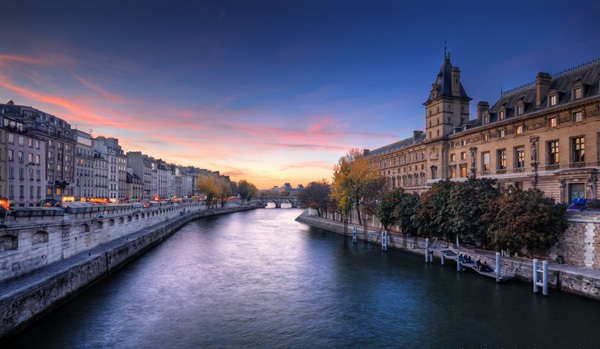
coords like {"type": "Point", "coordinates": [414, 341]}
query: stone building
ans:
{"type": "Point", "coordinates": [135, 187]}
{"type": "Point", "coordinates": [84, 162]}
{"type": "Point", "coordinates": [24, 160]}
{"type": "Point", "coordinates": [100, 170]}
{"type": "Point", "coordinates": [60, 146]}
{"type": "Point", "coordinates": [116, 166]}
{"type": "Point", "coordinates": [543, 135]}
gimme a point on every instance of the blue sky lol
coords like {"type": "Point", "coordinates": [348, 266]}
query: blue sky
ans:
{"type": "Point", "coordinates": [273, 91]}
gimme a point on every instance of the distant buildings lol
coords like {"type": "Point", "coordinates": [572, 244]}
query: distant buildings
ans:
{"type": "Point", "coordinates": [42, 157]}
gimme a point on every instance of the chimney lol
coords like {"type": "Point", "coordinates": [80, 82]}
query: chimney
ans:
{"type": "Point", "coordinates": [417, 135]}
{"type": "Point", "coordinates": [455, 83]}
{"type": "Point", "coordinates": [542, 85]}
{"type": "Point", "coordinates": [482, 107]}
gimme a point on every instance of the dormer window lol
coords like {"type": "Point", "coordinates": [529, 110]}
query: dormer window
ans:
{"type": "Point", "coordinates": [553, 99]}
{"type": "Point", "coordinates": [501, 115]}
{"type": "Point", "coordinates": [519, 130]}
{"type": "Point", "coordinates": [577, 116]}
{"type": "Point", "coordinates": [553, 122]}
{"type": "Point", "coordinates": [520, 107]}
{"type": "Point", "coordinates": [578, 92]}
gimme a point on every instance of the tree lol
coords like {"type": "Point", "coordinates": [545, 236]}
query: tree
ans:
{"type": "Point", "coordinates": [247, 190]}
{"type": "Point", "coordinates": [224, 191]}
{"type": "Point", "coordinates": [386, 210]}
{"type": "Point", "coordinates": [352, 181]}
{"type": "Point", "coordinates": [432, 216]}
{"type": "Point", "coordinates": [316, 195]}
{"type": "Point", "coordinates": [405, 211]}
{"type": "Point", "coordinates": [208, 186]}
{"type": "Point", "coordinates": [520, 219]}
{"type": "Point", "coordinates": [469, 202]}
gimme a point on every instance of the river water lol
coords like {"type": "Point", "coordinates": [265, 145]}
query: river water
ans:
{"type": "Point", "coordinates": [260, 279]}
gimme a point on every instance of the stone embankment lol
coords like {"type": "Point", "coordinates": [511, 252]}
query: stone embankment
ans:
{"type": "Point", "coordinates": [567, 278]}
{"type": "Point", "coordinates": [26, 297]}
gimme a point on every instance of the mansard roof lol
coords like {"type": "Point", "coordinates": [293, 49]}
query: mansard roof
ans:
{"type": "Point", "coordinates": [442, 87]}
{"type": "Point", "coordinates": [562, 83]}
{"type": "Point", "coordinates": [398, 145]}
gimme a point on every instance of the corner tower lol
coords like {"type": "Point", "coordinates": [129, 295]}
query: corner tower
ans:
{"type": "Point", "coordinates": [447, 107]}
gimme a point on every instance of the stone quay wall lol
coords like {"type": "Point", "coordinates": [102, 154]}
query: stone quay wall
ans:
{"type": "Point", "coordinates": [24, 299]}
{"type": "Point", "coordinates": [564, 277]}
{"type": "Point", "coordinates": [34, 238]}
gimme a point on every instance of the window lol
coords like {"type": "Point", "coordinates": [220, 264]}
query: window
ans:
{"type": "Point", "coordinates": [553, 100]}
{"type": "Point", "coordinates": [502, 159]}
{"type": "Point", "coordinates": [37, 159]}
{"type": "Point", "coordinates": [576, 191]}
{"type": "Point", "coordinates": [553, 121]}
{"type": "Point", "coordinates": [501, 115]}
{"type": "Point", "coordinates": [21, 173]}
{"type": "Point", "coordinates": [11, 138]}
{"type": "Point", "coordinates": [20, 154]}
{"type": "Point", "coordinates": [463, 155]}
{"type": "Point", "coordinates": [37, 144]}
{"type": "Point", "coordinates": [30, 158]}
{"type": "Point", "coordinates": [578, 92]}
{"type": "Point", "coordinates": [577, 116]}
{"type": "Point", "coordinates": [502, 133]}
{"type": "Point", "coordinates": [519, 130]}
{"type": "Point", "coordinates": [553, 153]}
{"type": "Point", "coordinates": [519, 109]}
{"type": "Point", "coordinates": [452, 157]}
{"type": "Point", "coordinates": [11, 155]}
{"type": "Point", "coordinates": [21, 140]}
{"type": "Point", "coordinates": [463, 170]}
{"type": "Point", "coordinates": [578, 146]}
{"type": "Point", "coordinates": [520, 157]}
{"type": "Point", "coordinates": [485, 162]}
{"type": "Point", "coordinates": [452, 171]}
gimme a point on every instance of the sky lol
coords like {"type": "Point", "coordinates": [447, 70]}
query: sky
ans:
{"type": "Point", "coordinates": [273, 92]}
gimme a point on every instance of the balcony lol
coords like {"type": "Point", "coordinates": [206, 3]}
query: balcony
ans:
{"type": "Point", "coordinates": [551, 167]}
{"type": "Point", "coordinates": [577, 164]}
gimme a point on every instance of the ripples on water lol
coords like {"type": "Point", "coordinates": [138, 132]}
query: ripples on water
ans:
{"type": "Point", "coordinates": [260, 279]}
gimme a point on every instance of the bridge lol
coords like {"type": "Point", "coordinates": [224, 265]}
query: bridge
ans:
{"type": "Point", "coordinates": [278, 200]}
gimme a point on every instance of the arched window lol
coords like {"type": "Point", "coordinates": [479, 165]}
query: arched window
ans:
{"type": "Point", "coordinates": [39, 237]}
{"type": "Point", "coordinates": [8, 243]}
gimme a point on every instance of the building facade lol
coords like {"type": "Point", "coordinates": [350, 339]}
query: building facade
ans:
{"type": "Point", "coordinates": [84, 162]}
{"type": "Point", "coordinates": [24, 160]}
{"type": "Point", "coordinates": [543, 135]}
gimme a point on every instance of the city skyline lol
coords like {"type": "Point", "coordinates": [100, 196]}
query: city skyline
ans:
{"type": "Point", "coordinates": [220, 89]}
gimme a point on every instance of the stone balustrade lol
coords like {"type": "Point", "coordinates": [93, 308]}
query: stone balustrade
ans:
{"type": "Point", "coordinates": [33, 238]}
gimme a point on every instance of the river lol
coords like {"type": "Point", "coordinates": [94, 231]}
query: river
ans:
{"type": "Point", "coordinates": [260, 279]}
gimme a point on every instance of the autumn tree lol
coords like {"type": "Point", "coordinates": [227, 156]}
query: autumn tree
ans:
{"type": "Point", "coordinates": [316, 195]}
{"type": "Point", "coordinates": [353, 181]}
{"type": "Point", "coordinates": [433, 215]}
{"type": "Point", "coordinates": [209, 186]}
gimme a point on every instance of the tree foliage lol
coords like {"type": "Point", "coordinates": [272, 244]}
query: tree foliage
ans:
{"type": "Point", "coordinates": [468, 202]}
{"type": "Point", "coordinates": [353, 181]}
{"type": "Point", "coordinates": [316, 195]}
{"type": "Point", "coordinates": [247, 190]}
{"type": "Point", "coordinates": [216, 189]}
{"type": "Point", "coordinates": [433, 215]}
{"type": "Point", "coordinates": [386, 210]}
{"type": "Point", "coordinates": [520, 219]}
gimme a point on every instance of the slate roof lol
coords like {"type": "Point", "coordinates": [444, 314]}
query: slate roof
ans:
{"type": "Point", "coordinates": [443, 82]}
{"type": "Point", "coordinates": [588, 74]}
{"type": "Point", "coordinates": [397, 146]}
